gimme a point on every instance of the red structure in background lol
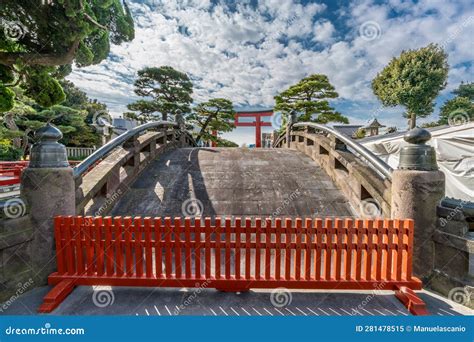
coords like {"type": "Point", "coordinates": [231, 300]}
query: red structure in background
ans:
{"type": "Point", "coordinates": [258, 123]}
{"type": "Point", "coordinates": [11, 172]}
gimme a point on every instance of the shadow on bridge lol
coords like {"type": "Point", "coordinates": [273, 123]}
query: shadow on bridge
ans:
{"type": "Point", "coordinates": [172, 185]}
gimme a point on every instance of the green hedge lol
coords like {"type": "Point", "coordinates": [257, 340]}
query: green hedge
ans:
{"type": "Point", "coordinates": [8, 152]}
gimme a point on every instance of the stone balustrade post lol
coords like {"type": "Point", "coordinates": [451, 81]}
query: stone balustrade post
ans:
{"type": "Point", "coordinates": [181, 130]}
{"type": "Point", "coordinates": [48, 187]}
{"type": "Point", "coordinates": [289, 125]}
{"type": "Point", "coordinates": [417, 188]}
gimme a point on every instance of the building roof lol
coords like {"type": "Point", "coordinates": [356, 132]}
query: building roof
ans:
{"type": "Point", "coordinates": [348, 130]}
{"type": "Point", "coordinates": [374, 124]}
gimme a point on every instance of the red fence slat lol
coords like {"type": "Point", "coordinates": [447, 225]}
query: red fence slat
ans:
{"type": "Point", "coordinates": [148, 249]}
{"type": "Point", "coordinates": [118, 238]}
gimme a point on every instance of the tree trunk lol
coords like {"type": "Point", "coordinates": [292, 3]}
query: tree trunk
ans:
{"type": "Point", "coordinates": [412, 120]}
{"type": "Point", "coordinates": [203, 129]}
{"type": "Point", "coordinates": [24, 146]}
{"type": "Point", "coordinates": [38, 58]}
{"type": "Point", "coordinates": [11, 125]}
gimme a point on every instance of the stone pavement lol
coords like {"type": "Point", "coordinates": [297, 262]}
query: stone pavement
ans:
{"type": "Point", "coordinates": [104, 300]}
{"type": "Point", "coordinates": [234, 181]}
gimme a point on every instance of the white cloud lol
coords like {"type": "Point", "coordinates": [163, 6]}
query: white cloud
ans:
{"type": "Point", "coordinates": [323, 31]}
{"type": "Point", "coordinates": [248, 54]}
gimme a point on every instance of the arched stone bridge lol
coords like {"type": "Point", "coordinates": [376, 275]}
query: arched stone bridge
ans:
{"type": "Point", "coordinates": [314, 178]}
{"type": "Point", "coordinates": [157, 170]}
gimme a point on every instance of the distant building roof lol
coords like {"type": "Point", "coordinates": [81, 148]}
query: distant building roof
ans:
{"type": "Point", "coordinates": [348, 130]}
{"type": "Point", "coordinates": [374, 124]}
{"type": "Point", "coordinates": [124, 124]}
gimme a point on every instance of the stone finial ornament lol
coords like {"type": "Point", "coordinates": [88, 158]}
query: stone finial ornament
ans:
{"type": "Point", "coordinates": [47, 152]}
{"type": "Point", "coordinates": [417, 155]}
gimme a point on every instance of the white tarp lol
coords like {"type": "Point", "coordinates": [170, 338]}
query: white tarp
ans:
{"type": "Point", "coordinates": [454, 150]}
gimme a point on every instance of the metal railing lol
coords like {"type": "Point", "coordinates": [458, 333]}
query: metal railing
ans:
{"type": "Point", "coordinates": [100, 153]}
{"type": "Point", "coordinates": [79, 152]}
{"type": "Point", "coordinates": [371, 158]}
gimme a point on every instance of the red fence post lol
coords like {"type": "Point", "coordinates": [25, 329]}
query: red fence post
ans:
{"type": "Point", "coordinates": [197, 250]}
{"type": "Point", "coordinates": [177, 250]}
{"type": "Point", "coordinates": [158, 248]}
{"type": "Point", "coordinates": [278, 236]}
{"type": "Point", "coordinates": [118, 238]}
{"type": "Point", "coordinates": [268, 249]}
{"type": "Point", "coordinates": [217, 249]}
{"type": "Point", "coordinates": [187, 246]}
{"type": "Point", "coordinates": [238, 239]}
{"type": "Point", "coordinates": [227, 248]}
{"type": "Point", "coordinates": [148, 250]}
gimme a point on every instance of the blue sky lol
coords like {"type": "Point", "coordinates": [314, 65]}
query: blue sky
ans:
{"type": "Point", "coordinates": [248, 51]}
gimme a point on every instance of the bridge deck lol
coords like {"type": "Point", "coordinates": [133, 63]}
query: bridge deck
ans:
{"type": "Point", "coordinates": [234, 181]}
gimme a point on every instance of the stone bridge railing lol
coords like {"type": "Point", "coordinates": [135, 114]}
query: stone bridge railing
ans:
{"type": "Point", "coordinates": [104, 176]}
{"type": "Point", "coordinates": [365, 180]}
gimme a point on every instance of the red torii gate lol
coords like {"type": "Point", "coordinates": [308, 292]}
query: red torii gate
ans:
{"type": "Point", "coordinates": [258, 123]}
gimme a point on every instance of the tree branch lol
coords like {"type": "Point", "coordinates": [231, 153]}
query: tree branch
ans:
{"type": "Point", "coordinates": [45, 59]}
{"type": "Point", "coordinates": [89, 18]}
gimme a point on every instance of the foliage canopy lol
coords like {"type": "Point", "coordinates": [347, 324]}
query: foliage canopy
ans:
{"type": "Point", "coordinates": [40, 42]}
{"type": "Point", "coordinates": [413, 80]}
{"type": "Point", "coordinates": [308, 98]}
{"type": "Point", "coordinates": [169, 91]}
{"type": "Point", "coordinates": [213, 115]}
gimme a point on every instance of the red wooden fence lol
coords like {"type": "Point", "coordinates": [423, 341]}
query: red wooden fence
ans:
{"type": "Point", "coordinates": [12, 172]}
{"type": "Point", "coordinates": [234, 255]}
